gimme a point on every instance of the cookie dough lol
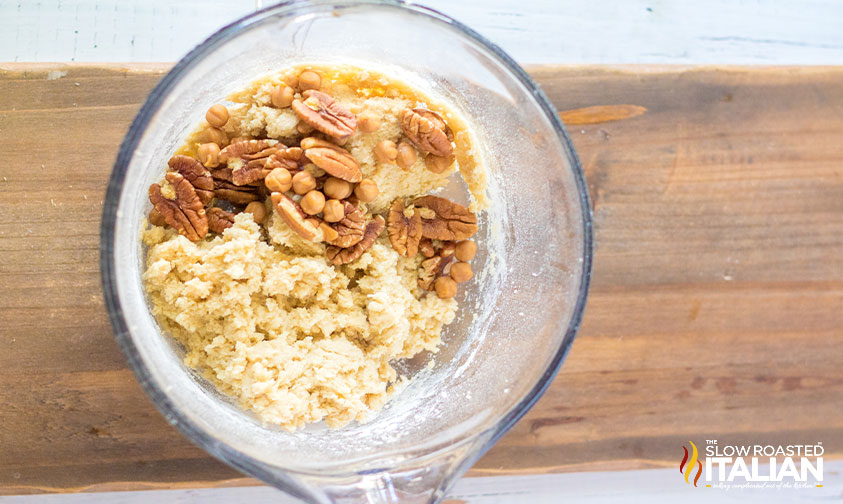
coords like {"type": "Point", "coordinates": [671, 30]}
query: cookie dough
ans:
{"type": "Point", "coordinates": [262, 313]}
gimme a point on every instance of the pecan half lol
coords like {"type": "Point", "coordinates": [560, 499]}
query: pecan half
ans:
{"type": "Point", "coordinates": [404, 232]}
{"type": "Point", "coordinates": [346, 255]}
{"type": "Point", "coordinates": [226, 175]}
{"type": "Point", "coordinates": [350, 228]}
{"type": "Point", "coordinates": [248, 150]}
{"type": "Point", "coordinates": [181, 208]}
{"type": "Point", "coordinates": [427, 131]}
{"type": "Point", "coordinates": [219, 220]}
{"type": "Point", "coordinates": [433, 268]}
{"type": "Point", "coordinates": [443, 219]}
{"type": "Point", "coordinates": [323, 113]}
{"type": "Point", "coordinates": [293, 215]}
{"type": "Point", "coordinates": [289, 158]}
{"type": "Point", "coordinates": [239, 195]}
{"type": "Point", "coordinates": [333, 159]}
{"type": "Point", "coordinates": [198, 176]}
{"type": "Point", "coordinates": [247, 159]}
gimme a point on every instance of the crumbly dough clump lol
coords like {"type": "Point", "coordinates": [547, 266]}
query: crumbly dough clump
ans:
{"type": "Point", "coordinates": [294, 338]}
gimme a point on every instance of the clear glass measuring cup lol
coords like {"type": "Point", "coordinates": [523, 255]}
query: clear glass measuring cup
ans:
{"type": "Point", "coordinates": [516, 322]}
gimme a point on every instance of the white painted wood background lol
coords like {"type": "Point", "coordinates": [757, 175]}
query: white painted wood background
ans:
{"type": "Point", "coordinates": [806, 32]}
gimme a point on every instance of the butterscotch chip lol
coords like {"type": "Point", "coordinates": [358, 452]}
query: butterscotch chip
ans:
{"type": "Point", "coordinates": [446, 287]}
{"type": "Point", "coordinates": [217, 115]}
{"type": "Point", "coordinates": [303, 182]}
{"type": "Point", "coordinates": [366, 190]}
{"type": "Point", "coordinates": [213, 135]}
{"type": "Point", "coordinates": [334, 211]}
{"type": "Point", "coordinates": [406, 156]}
{"type": "Point", "coordinates": [465, 250]}
{"type": "Point", "coordinates": [461, 272]}
{"type": "Point", "coordinates": [208, 155]}
{"type": "Point", "coordinates": [258, 211]}
{"type": "Point", "coordinates": [313, 202]}
{"type": "Point", "coordinates": [279, 180]}
{"type": "Point", "coordinates": [309, 80]}
{"type": "Point", "coordinates": [282, 96]}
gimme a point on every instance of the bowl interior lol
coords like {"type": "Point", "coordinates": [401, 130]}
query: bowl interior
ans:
{"type": "Point", "coordinates": [514, 318]}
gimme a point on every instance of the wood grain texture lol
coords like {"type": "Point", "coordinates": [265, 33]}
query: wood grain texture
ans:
{"type": "Point", "coordinates": [715, 309]}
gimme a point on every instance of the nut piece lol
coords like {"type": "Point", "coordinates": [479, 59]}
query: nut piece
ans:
{"type": "Point", "coordinates": [258, 211]}
{"type": "Point", "coordinates": [465, 250]}
{"type": "Point", "coordinates": [438, 164]}
{"type": "Point", "coordinates": [292, 214]}
{"type": "Point", "coordinates": [303, 182]}
{"type": "Point", "coordinates": [433, 268]}
{"type": "Point", "coordinates": [323, 113]}
{"type": "Point", "coordinates": [219, 220]}
{"type": "Point", "coordinates": [278, 180]}
{"type": "Point", "coordinates": [366, 190]}
{"type": "Point", "coordinates": [217, 115]}
{"type": "Point", "coordinates": [282, 96]}
{"type": "Point", "coordinates": [385, 152]}
{"type": "Point", "coordinates": [461, 272]}
{"type": "Point", "coordinates": [289, 158]}
{"type": "Point", "coordinates": [239, 195]}
{"type": "Point", "coordinates": [156, 219]}
{"type": "Point", "coordinates": [328, 233]}
{"type": "Point", "coordinates": [337, 188]}
{"type": "Point", "coordinates": [427, 131]}
{"type": "Point", "coordinates": [446, 287]}
{"type": "Point", "coordinates": [334, 211]}
{"type": "Point", "coordinates": [450, 221]}
{"type": "Point", "coordinates": [309, 80]}
{"type": "Point", "coordinates": [350, 228]}
{"type": "Point", "coordinates": [368, 123]}
{"type": "Point", "coordinates": [209, 155]}
{"type": "Point", "coordinates": [447, 249]}
{"type": "Point", "coordinates": [426, 248]}
{"type": "Point", "coordinates": [248, 150]}
{"type": "Point", "coordinates": [196, 174]}
{"type": "Point", "coordinates": [304, 128]}
{"type": "Point", "coordinates": [184, 211]}
{"type": "Point", "coordinates": [346, 255]}
{"type": "Point", "coordinates": [247, 159]}
{"type": "Point", "coordinates": [312, 203]}
{"type": "Point", "coordinates": [333, 159]}
{"type": "Point", "coordinates": [404, 232]}
{"type": "Point", "coordinates": [406, 155]}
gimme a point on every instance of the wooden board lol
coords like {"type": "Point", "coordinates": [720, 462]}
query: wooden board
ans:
{"type": "Point", "coordinates": [715, 309]}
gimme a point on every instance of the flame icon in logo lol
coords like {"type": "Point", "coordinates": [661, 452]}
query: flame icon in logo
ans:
{"type": "Point", "coordinates": [687, 466]}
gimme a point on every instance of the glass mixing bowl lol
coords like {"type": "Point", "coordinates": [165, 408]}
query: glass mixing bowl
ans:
{"type": "Point", "coordinates": [517, 318]}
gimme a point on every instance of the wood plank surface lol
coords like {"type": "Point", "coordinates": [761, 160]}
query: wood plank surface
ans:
{"type": "Point", "coordinates": [716, 308]}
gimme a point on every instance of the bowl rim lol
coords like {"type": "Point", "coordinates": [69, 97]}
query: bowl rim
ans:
{"type": "Point", "coordinates": [231, 456]}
